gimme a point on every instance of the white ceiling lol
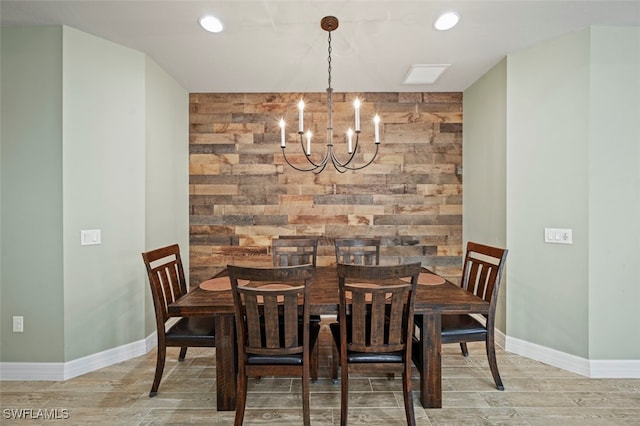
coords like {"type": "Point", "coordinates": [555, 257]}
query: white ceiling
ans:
{"type": "Point", "coordinates": [278, 45]}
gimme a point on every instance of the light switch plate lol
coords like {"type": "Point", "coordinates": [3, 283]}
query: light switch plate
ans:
{"type": "Point", "coordinates": [89, 237]}
{"type": "Point", "coordinates": [18, 324]}
{"type": "Point", "coordinates": [558, 235]}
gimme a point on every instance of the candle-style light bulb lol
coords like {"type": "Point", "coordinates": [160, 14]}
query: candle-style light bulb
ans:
{"type": "Point", "coordinates": [356, 106]}
{"type": "Point", "coordinates": [300, 116]}
{"type": "Point", "coordinates": [376, 122]}
{"type": "Point", "coordinates": [282, 140]}
{"type": "Point", "coordinates": [308, 142]}
{"type": "Point", "coordinates": [349, 140]}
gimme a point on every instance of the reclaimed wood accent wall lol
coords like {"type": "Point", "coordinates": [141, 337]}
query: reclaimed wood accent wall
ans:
{"type": "Point", "coordinates": [242, 194]}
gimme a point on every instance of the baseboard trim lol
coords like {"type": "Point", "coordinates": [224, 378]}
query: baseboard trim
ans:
{"type": "Point", "coordinates": [595, 369]}
{"type": "Point", "coordinates": [60, 371]}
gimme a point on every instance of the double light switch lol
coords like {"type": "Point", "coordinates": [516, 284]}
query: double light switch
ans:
{"type": "Point", "coordinates": [558, 236]}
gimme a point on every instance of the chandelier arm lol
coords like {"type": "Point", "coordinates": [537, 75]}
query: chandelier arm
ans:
{"type": "Point", "coordinates": [337, 162]}
{"type": "Point", "coordinates": [314, 166]}
{"type": "Point", "coordinates": [295, 167]}
{"type": "Point", "coordinates": [321, 164]}
{"type": "Point", "coordinates": [375, 154]}
{"type": "Point", "coordinates": [320, 169]}
{"type": "Point", "coordinates": [339, 168]}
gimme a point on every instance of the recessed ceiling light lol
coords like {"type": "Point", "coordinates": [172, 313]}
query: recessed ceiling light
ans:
{"type": "Point", "coordinates": [446, 21]}
{"type": "Point", "coordinates": [210, 23]}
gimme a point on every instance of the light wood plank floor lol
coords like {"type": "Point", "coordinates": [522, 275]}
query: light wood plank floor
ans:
{"type": "Point", "coordinates": [536, 394]}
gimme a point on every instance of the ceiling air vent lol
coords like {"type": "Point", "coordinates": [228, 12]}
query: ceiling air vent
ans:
{"type": "Point", "coordinates": [424, 74]}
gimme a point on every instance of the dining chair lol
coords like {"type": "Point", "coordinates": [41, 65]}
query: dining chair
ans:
{"type": "Point", "coordinates": [271, 339]}
{"type": "Point", "coordinates": [358, 251]}
{"type": "Point", "coordinates": [481, 276]}
{"type": "Point", "coordinates": [375, 323]}
{"type": "Point", "coordinates": [294, 251]}
{"type": "Point", "coordinates": [167, 282]}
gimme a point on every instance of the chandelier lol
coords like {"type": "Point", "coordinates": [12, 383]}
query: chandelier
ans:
{"type": "Point", "coordinates": [330, 23]}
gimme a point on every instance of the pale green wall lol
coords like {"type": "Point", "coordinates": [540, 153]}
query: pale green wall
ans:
{"type": "Point", "coordinates": [31, 283]}
{"type": "Point", "coordinates": [547, 186]}
{"type": "Point", "coordinates": [104, 187]}
{"type": "Point", "coordinates": [484, 167]}
{"type": "Point", "coordinates": [614, 193]}
{"type": "Point", "coordinates": [81, 117]}
{"type": "Point", "coordinates": [167, 169]}
{"type": "Point", "coordinates": [573, 160]}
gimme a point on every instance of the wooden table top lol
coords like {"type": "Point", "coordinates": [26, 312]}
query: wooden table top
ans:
{"type": "Point", "coordinates": [444, 298]}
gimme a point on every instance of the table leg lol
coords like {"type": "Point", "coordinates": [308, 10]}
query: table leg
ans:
{"type": "Point", "coordinates": [431, 368]}
{"type": "Point", "coordinates": [225, 363]}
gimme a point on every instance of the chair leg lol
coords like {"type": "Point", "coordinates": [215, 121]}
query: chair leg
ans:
{"type": "Point", "coordinates": [183, 353]}
{"type": "Point", "coordinates": [463, 348]}
{"type": "Point", "coordinates": [241, 398]}
{"type": "Point", "coordinates": [306, 410]}
{"type": "Point", "coordinates": [315, 355]}
{"type": "Point", "coordinates": [344, 393]}
{"type": "Point", "coordinates": [160, 358]}
{"type": "Point", "coordinates": [408, 396]}
{"type": "Point", "coordinates": [334, 364]}
{"type": "Point", "coordinates": [493, 363]}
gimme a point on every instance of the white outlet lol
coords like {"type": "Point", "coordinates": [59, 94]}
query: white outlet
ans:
{"type": "Point", "coordinates": [18, 324]}
{"type": "Point", "coordinates": [558, 235]}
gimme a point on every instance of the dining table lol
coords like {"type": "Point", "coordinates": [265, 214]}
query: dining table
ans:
{"type": "Point", "coordinates": [434, 298]}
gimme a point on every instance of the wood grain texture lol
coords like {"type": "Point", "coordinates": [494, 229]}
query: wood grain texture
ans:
{"type": "Point", "coordinates": [242, 193]}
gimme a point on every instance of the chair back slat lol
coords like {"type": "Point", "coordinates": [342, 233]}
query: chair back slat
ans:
{"type": "Point", "coordinates": [395, 314]}
{"type": "Point", "coordinates": [252, 318]}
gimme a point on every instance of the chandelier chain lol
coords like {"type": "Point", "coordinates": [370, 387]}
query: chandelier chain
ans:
{"type": "Point", "coordinates": [329, 59]}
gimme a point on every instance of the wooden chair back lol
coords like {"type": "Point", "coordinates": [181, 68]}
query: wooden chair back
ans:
{"type": "Point", "coordinates": [482, 272]}
{"type": "Point", "coordinates": [358, 251]}
{"type": "Point", "coordinates": [379, 306]}
{"type": "Point", "coordinates": [294, 251]}
{"type": "Point", "coordinates": [167, 279]}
